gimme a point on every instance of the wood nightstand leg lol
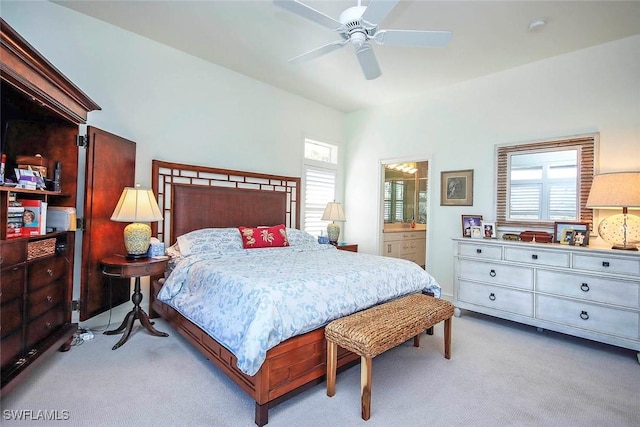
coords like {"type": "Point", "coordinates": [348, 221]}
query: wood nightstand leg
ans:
{"type": "Point", "coordinates": [136, 313]}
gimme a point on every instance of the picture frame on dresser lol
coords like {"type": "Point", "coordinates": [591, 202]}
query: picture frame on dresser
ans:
{"type": "Point", "coordinates": [581, 227]}
{"type": "Point", "coordinates": [469, 221]}
{"type": "Point", "coordinates": [476, 232]}
{"type": "Point", "coordinates": [488, 229]}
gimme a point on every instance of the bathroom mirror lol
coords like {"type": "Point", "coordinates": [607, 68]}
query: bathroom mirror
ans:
{"type": "Point", "coordinates": [405, 192]}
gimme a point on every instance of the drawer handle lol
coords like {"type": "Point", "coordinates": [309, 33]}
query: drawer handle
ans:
{"type": "Point", "coordinates": [478, 251]}
{"type": "Point", "coordinates": [605, 263]}
{"type": "Point", "coordinates": [389, 248]}
{"type": "Point", "coordinates": [492, 273]}
{"type": "Point", "coordinates": [492, 296]}
{"type": "Point", "coordinates": [584, 315]}
{"type": "Point", "coordinates": [49, 298]}
{"type": "Point", "coordinates": [534, 256]}
{"type": "Point", "coordinates": [584, 287]}
{"type": "Point", "coordinates": [50, 272]}
{"type": "Point", "coordinates": [48, 325]}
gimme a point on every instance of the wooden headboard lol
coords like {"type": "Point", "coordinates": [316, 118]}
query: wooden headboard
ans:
{"type": "Point", "coordinates": [193, 197]}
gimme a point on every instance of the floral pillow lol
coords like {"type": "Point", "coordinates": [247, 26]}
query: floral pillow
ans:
{"type": "Point", "coordinates": [264, 237]}
{"type": "Point", "coordinates": [206, 240]}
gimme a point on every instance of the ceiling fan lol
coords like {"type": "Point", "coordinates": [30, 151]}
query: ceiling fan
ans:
{"type": "Point", "coordinates": [357, 26]}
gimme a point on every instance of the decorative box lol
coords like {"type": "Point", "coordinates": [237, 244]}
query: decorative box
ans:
{"type": "Point", "coordinates": [36, 163]}
{"type": "Point", "coordinates": [539, 236]}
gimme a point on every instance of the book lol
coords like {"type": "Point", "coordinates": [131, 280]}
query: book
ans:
{"type": "Point", "coordinates": [34, 217]}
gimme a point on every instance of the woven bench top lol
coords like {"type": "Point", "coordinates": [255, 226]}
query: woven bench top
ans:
{"type": "Point", "coordinates": [377, 329]}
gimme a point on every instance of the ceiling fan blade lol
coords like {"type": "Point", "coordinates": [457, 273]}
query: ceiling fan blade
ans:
{"type": "Point", "coordinates": [377, 10]}
{"type": "Point", "coordinates": [368, 62]}
{"type": "Point", "coordinates": [415, 38]}
{"type": "Point", "coordinates": [308, 12]}
{"type": "Point", "coordinates": [312, 54]}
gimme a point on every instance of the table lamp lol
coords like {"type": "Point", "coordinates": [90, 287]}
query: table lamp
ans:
{"type": "Point", "coordinates": [137, 205]}
{"type": "Point", "coordinates": [333, 212]}
{"type": "Point", "coordinates": [620, 190]}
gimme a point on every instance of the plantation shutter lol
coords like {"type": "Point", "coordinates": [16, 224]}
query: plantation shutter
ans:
{"type": "Point", "coordinates": [320, 186]}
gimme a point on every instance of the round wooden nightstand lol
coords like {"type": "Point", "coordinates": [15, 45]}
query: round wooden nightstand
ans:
{"type": "Point", "coordinates": [119, 266]}
{"type": "Point", "coordinates": [351, 247]}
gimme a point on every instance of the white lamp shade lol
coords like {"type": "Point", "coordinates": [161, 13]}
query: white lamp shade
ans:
{"type": "Point", "coordinates": [136, 205]}
{"type": "Point", "coordinates": [614, 191]}
{"type": "Point", "coordinates": [333, 212]}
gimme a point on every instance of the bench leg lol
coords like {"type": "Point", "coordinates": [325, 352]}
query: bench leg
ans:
{"type": "Point", "coordinates": [332, 361]}
{"type": "Point", "coordinates": [365, 386]}
{"type": "Point", "coordinates": [447, 338]}
{"type": "Point", "coordinates": [416, 341]}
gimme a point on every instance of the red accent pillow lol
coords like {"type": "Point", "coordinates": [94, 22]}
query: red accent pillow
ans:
{"type": "Point", "coordinates": [264, 237]}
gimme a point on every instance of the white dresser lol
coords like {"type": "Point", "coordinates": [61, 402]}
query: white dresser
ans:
{"type": "Point", "coordinates": [589, 293]}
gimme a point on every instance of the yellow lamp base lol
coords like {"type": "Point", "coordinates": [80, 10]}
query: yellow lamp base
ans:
{"type": "Point", "coordinates": [137, 237]}
{"type": "Point", "coordinates": [333, 231]}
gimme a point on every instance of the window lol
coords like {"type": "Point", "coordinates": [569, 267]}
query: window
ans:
{"type": "Point", "coordinates": [393, 201]}
{"type": "Point", "coordinates": [320, 173]}
{"type": "Point", "coordinates": [540, 183]}
{"type": "Point", "coordinates": [543, 186]}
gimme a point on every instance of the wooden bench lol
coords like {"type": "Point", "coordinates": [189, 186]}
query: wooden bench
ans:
{"type": "Point", "coordinates": [371, 332]}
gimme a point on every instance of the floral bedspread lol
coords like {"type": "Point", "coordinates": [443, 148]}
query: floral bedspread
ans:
{"type": "Point", "coordinates": [251, 300]}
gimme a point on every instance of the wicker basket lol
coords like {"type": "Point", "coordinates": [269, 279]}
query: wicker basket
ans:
{"type": "Point", "coordinates": [40, 248]}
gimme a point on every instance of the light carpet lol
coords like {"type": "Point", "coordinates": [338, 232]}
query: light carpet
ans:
{"type": "Point", "coordinates": [500, 374]}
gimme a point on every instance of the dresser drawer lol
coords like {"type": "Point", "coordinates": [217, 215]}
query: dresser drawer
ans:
{"type": "Point", "coordinates": [536, 256]}
{"type": "Point", "coordinates": [591, 288]}
{"type": "Point", "coordinates": [46, 271]}
{"type": "Point", "coordinates": [43, 326]}
{"type": "Point", "coordinates": [12, 252]}
{"type": "Point", "coordinates": [587, 316]}
{"type": "Point", "coordinates": [607, 264]}
{"type": "Point", "coordinates": [497, 298]}
{"type": "Point", "coordinates": [394, 236]}
{"type": "Point", "coordinates": [477, 250]}
{"type": "Point", "coordinates": [11, 349]}
{"type": "Point", "coordinates": [10, 317]}
{"type": "Point", "coordinates": [408, 247]}
{"type": "Point", "coordinates": [12, 283]}
{"type": "Point", "coordinates": [510, 275]}
{"type": "Point", "coordinates": [45, 299]}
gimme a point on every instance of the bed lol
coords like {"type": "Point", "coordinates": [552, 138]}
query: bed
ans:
{"type": "Point", "coordinates": [277, 350]}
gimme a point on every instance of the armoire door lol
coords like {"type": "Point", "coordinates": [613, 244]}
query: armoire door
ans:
{"type": "Point", "coordinates": [111, 163]}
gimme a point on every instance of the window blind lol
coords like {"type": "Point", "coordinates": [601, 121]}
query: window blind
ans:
{"type": "Point", "coordinates": [319, 190]}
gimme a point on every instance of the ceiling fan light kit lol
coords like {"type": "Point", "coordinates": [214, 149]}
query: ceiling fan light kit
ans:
{"type": "Point", "coordinates": [357, 25]}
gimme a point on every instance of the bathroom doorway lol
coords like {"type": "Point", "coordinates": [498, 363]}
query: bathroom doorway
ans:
{"type": "Point", "coordinates": [404, 210]}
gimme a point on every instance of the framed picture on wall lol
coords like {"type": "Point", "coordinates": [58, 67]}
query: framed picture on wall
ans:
{"type": "Point", "coordinates": [456, 188]}
{"type": "Point", "coordinates": [469, 221]}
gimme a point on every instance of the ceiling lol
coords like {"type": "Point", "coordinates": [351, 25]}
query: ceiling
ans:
{"type": "Point", "coordinates": [257, 38]}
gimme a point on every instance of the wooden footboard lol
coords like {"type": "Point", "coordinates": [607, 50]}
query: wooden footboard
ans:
{"type": "Point", "coordinates": [290, 367]}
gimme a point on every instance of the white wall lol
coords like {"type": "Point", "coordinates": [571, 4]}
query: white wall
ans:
{"type": "Point", "coordinates": [596, 89]}
{"type": "Point", "coordinates": [174, 106]}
